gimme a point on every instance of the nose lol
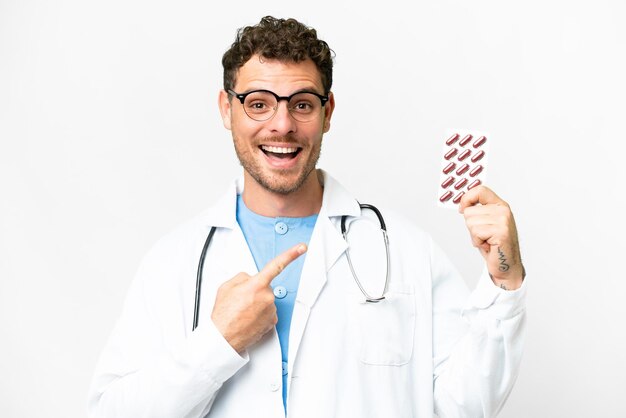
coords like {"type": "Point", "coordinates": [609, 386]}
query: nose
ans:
{"type": "Point", "coordinates": [282, 122]}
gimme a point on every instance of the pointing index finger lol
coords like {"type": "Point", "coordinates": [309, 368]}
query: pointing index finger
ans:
{"type": "Point", "coordinates": [279, 263]}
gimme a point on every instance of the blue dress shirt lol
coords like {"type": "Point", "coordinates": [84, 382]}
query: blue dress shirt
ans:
{"type": "Point", "coordinates": [267, 238]}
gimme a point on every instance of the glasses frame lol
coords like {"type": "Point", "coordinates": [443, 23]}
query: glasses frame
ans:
{"type": "Point", "coordinates": [242, 99]}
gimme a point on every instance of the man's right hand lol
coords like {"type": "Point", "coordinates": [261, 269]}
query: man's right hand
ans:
{"type": "Point", "coordinates": [244, 309]}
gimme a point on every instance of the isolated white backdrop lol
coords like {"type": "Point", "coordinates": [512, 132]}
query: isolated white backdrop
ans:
{"type": "Point", "coordinates": [110, 136]}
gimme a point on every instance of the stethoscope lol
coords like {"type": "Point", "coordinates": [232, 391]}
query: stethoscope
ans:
{"type": "Point", "coordinates": [344, 232]}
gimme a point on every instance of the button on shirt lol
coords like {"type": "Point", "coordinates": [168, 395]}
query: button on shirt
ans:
{"type": "Point", "coordinates": [267, 238]}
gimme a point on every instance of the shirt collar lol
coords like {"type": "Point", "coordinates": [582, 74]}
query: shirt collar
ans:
{"type": "Point", "coordinates": [336, 201]}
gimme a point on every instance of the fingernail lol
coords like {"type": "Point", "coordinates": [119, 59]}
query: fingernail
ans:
{"type": "Point", "coordinates": [301, 249]}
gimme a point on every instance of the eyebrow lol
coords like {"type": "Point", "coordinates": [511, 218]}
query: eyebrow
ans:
{"type": "Point", "coordinates": [302, 90]}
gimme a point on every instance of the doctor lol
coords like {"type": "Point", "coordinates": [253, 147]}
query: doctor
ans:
{"type": "Point", "coordinates": [283, 328]}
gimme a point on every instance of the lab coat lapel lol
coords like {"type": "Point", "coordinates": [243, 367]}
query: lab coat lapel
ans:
{"type": "Point", "coordinates": [234, 253]}
{"type": "Point", "coordinates": [325, 248]}
{"type": "Point", "coordinates": [237, 256]}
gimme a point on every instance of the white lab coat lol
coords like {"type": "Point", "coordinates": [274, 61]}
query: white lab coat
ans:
{"type": "Point", "coordinates": [429, 346]}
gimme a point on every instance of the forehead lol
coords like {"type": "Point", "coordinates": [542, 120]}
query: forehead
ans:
{"type": "Point", "coordinates": [278, 76]}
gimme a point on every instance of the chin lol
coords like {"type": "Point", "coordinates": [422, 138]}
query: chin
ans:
{"type": "Point", "coordinates": [281, 184]}
{"type": "Point", "coordinates": [282, 187]}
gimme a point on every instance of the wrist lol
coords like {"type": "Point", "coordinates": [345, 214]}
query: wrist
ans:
{"type": "Point", "coordinates": [512, 281]}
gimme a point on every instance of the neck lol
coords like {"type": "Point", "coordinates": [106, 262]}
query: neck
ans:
{"type": "Point", "coordinates": [305, 201]}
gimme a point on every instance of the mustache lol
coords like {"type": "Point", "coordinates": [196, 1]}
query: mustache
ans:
{"type": "Point", "coordinates": [289, 139]}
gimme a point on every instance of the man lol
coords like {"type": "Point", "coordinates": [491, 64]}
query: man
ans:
{"type": "Point", "coordinates": [284, 332]}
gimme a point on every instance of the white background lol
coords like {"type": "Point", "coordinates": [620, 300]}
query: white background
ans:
{"type": "Point", "coordinates": [110, 136]}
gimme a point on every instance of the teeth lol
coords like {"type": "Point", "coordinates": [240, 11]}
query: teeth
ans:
{"type": "Point", "coordinates": [278, 150]}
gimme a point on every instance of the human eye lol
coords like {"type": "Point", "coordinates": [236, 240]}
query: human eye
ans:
{"type": "Point", "coordinates": [259, 103]}
{"type": "Point", "coordinates": [303, 106]}
{"type": "Point", "coordinates": [303, 103]}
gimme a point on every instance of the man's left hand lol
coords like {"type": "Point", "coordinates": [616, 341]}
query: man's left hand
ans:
{"type": "Point", "coordinates": [492, 228]}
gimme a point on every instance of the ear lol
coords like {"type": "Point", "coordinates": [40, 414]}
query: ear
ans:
{"type": "Point", "coordinates": [329, 107]}
{"type": "Point", "coordinates": [223, 103]}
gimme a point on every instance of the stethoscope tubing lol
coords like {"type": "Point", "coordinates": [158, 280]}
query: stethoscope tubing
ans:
{"type": "Point", "coordinates": [344, 233]}
{"type": "Point", "coordinates": [383, 229]}
{"type": "Point", "coordinates": [196, 307]}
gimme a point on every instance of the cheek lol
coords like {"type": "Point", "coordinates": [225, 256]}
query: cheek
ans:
{"type": "Point", "coordinates": [314, 130]}
{"type": "Point", "coordinates": [243, 130]}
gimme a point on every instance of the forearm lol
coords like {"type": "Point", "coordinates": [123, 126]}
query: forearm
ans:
{"type": "Point", "coordinates": [160, 389]}
{"type": "Point", "coordinates": [481, 369]}
{"type": "Point", "coordinates": [179, 382]}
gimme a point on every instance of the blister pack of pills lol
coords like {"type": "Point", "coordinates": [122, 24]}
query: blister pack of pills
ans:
{"type": "Point", "coordinates": [463, 165]}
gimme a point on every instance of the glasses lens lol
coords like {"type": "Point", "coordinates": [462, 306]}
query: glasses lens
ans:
{"type": "Point", "coordinates": [260, 105]}
{"type": "Point", "coordinates": [305, 106]}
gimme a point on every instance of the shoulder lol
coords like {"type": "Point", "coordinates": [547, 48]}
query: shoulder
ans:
{"type": "Point", "coordinates": [402, 227]}
{"type": "Point", "coordinates": [407, 240]}
{"type": "Point", "coordinates": [192, 232]}
{"type": "Point", "coordinates": [187, 238]}
{"type": "Point", "coordinates": [174, 243]}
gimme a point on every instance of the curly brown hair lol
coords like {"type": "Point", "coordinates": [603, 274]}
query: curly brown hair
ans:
{"type": "Point", "coordinates": [285, 40]}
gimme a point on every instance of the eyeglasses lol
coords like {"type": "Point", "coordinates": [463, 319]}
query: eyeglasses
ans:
{"type": "Point", "coordinates": [262, 105]}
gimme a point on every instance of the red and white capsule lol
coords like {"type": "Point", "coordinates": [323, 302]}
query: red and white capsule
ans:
{"type": "Point", "coordinates": [479, 141]}
{"type": "Point", "coordinates": [451, 153]}
{"type": "Point", "coordinates": [473, 184]}
{"type": "Point", "coordinates": [446, 196]}
{"type": "Point", "coordinates": [462, 169]}
{"type": "Point", "coordinates": [449, 168]}
{"type": "Point", "coordinates": [452, 139]}
{"type": "Point", "coordinates": [458, 197]}
{"type": "Point", "coordinates": [476, 171]}
{"type": "Point", "coordinates": [464, 154]}
{"type": "Point", "coordinates": [460, 183]}
{"type": "Point", "coordinates": [478, 156]}
{"type": "Point", "coordinates": [466, 139]}
{"type": "Point", "coordinates": [447, 182]}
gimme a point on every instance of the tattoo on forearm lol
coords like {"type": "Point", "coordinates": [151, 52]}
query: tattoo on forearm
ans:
{"type": "Point", "coordinates": [503, 265]}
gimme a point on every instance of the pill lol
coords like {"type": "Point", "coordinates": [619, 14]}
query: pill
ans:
{"type": "Point", "coordinates": [478, 156]}
{"type": "Point", "coordinates": [446, 196]}
{"type": "Point", "coordinates": [473, 184]}
{"type": "Point", "coordinates": [447, 182]}
{"type": "Point", "coordinates": [480, 141]}
{"type": "Point", "coordinates": [462, 169]}
{"type": "Point", "coordinates": [460, 183]}
{"type": "Point", "coordinates": [458, 197]}
{"type": "Point", "coordinates": [452, 139]}
{"type": "Point", "coordinates": [449, 168]}
{"type": "Point", "coordinates": [476, 170]}
{"type": "Point", "coordinates": [450, 153]}
{"type": "Point", "coordinates": [467, 138]}
{"type": "Point", "coordinates": [464, 154]}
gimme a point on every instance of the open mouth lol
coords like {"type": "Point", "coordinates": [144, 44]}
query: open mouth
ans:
{"type": "Point", "coordinates": [280, 152]}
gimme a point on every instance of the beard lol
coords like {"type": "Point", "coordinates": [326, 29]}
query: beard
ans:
{"type": "Point", "coordinates": [278, 181]}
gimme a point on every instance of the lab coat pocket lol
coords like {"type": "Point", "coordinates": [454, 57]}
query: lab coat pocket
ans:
{"type": "Point", "coordinates": [384, 331]}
